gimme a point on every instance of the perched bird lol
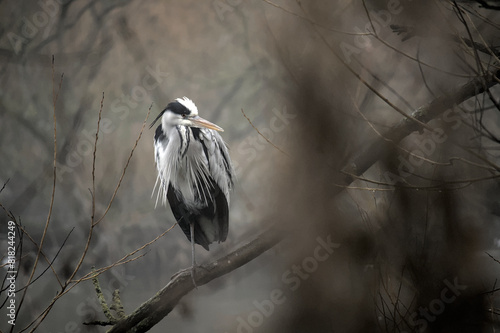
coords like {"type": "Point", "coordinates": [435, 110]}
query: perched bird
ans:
{"type": "Point", "coordinates": [195, 173]}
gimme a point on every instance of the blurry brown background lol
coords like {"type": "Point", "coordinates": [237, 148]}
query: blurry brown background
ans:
{"type": "Point", "coordinates": [372, 257]}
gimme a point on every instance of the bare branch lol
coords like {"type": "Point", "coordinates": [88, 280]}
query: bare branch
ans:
{"type": "Point", "coordinates": [262, 135]}
{"type": "Point", "coordinates": [94, 158]}
{"type": "Point", "coordinates": [123, 260]}
{"type": "Point", "coordinates": [125, 168]}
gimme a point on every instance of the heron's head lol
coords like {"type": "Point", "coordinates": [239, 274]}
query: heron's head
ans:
{"type": "Point", "coordinates": [183, 112]}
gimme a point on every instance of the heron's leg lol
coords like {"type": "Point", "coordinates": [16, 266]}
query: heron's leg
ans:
{"type": "Point", "coordinates": [193, 262]}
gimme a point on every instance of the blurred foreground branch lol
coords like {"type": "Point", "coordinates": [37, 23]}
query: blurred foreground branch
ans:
{"type": "Point", "coordinates": [380, 148]}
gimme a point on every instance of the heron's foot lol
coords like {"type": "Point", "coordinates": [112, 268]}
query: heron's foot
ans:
{"type": "Point", "coordinates": [192, 271]}
{"type": "Point", "coordinates": [184, 271]}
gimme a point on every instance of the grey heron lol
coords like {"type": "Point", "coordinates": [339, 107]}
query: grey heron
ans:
{"type": "Point", "coordinates": [195, 173]}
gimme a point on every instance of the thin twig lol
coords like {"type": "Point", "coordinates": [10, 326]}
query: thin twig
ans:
{"type": "Point", "coordinates": [55, 96]}
{"type": "Point", "coordinates": [369, 18]}
{"type": "Point", "coordinates": [125, 258]}
{"type": "Point", "coordinates": [314, 22]}
{"type": "Point", "coordinates": [91, 227]}
{"type": "Point", "coordinates": [262, 135]}
{"type": "Point", "coordinates": [50, 264]}
{"type": "Point", "coordinates": [94, 159]}
{"type": "Point", "coordinates": [4, 184]}
{"type": "Point", "coordinates": [496, 260]}
{"type": "Point", "coordinates": [124, 169]}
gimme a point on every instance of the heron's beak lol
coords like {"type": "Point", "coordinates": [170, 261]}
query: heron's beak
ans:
{"type": "Point", "coordinates": [200, 122]}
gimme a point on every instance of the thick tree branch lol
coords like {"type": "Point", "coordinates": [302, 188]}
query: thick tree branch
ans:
{"type": "Point", "coordinates": [160, 305]}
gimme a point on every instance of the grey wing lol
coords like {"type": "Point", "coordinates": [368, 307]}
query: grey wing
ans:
{"type": "Point", "coordinates": [221, 171]}
{"type": "Point", "coordinates": [219, 162]}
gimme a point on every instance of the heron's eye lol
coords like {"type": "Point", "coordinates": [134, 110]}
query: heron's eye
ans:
{"type": "Point", "coordinates": [183, 116]}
